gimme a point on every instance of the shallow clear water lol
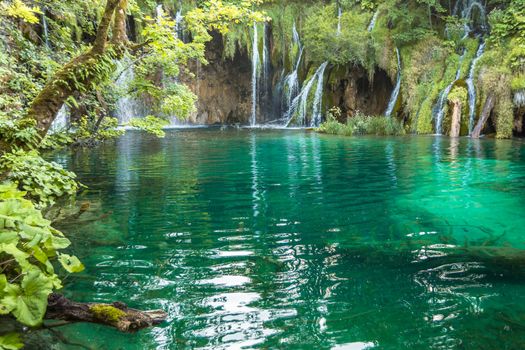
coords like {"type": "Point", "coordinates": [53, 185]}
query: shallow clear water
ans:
{"type": "Point", "coordinates": [289, 239]}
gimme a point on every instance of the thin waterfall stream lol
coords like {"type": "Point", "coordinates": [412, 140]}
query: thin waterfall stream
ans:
{"type": "Point", "coordinates": [299, 108]}
{"type": "Point", "coordinates": [255, 74]}
{"type": "Point", "coordinates": [373, 21]}
{"type": "Point", "coordinates": [395, 93]}
{"type": "Point", "coordinates": [471, 87]}
{"type": "Point", "coordinates": [441, 106]}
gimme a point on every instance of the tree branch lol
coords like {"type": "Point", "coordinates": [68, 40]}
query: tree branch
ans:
{"type": "Point", "coordinates": [116, 315]}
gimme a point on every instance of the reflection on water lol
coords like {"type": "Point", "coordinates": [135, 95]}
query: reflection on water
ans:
{"type": "Point", "coordinates": [288, 239]}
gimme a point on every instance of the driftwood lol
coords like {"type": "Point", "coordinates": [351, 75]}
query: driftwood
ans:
{"type": "Point", "coordinates": [116, 315]}
{"type": "Point", "coordinates": [456, 119]}
{"type": "Point", "coordinates": [485, 114]}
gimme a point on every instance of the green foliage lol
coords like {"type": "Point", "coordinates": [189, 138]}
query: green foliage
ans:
{"type": "Point", "coordinates": [28, 243]}
{"type": "Point", "coordinates": [18, 131]}
{"type": "Point", "coordinates": [362, 125]}
{"type": "Point", "coordinates": [508, 22]}
{"type": "Point", "coordinates": [88, 131]}
{"type": "Point", "coordinates": [350, 46]}
{"type": "Point", "coordinates": [44, 181]}
{"type": "Point", "coordinates": [11, 341]}
{"type": "Point", "coordinates": [458, 95]}
{"type": "Point", "coordinates": [56, 140]}
{"type": "Point", "coordinates": [18, 9]}
{"type": "Point", "coordinates": [150, 124]}
{"type": "Point", "coordinates": [518, 82]}
{"type": "Point", "coordinates": [180, 101]}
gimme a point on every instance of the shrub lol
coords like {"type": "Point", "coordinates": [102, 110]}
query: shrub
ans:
{"type": "Point", "coordinates": [150, 124]}
{"type": "Point", "coordinates": [362, 125]}
{"type": "Point", "coordinates": [27, 245]}
{"type": "Point", "coordinates": [44, 181]}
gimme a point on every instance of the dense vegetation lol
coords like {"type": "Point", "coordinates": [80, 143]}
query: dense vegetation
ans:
{"type": "Point", "coordinates": [69, 54]}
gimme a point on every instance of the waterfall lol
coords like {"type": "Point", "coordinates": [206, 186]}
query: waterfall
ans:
{"type": "Point", "coordinates": [159, 12]}
{"type": "Point", "coordinates": [440, 108]}
{"type": "Point", "coordinates": [373, 21]}
{"type": "Point", "coordinates": [266, 59]}
{"type": "Point", "coordinates": [318, 99]}
{"type": "Point", "coordinates": [519, 98]}
{"type": "Point", "coordinates": [467, 7]}
{"type": "Point", "coordinates": [299, 106]}
{"type": "Point", "coordinates": [339, 15]}
{"type": "Point", "coordinates": [467, 15]}
{"type": "Point", "coordinates": [472, 88]}
{"type": "Point", "coordinates": [395, 93]}
{"type": "Point", "coordinates": [127, 106]}
{"type": "Point", "coordinates": [291, 81]}
{"type": "Point", "coordinates": [46, 30]}
{"type": "Point", "coordinates": [178, 24]}
{"type": "Point", "coordinates": [61, 121]}
{"type": "Point", "coordinates": [255, 71]}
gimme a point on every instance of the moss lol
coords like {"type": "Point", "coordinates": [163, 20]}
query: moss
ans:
{"type": "Point", "coordinates": [107, 313]}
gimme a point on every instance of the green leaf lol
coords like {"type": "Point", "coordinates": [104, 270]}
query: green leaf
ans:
{"type": "Point", "coordinates": [30, 299]}
{"type": "Point", "coordinates": [70, 263]}
{"type": "Point", "coordinates": [20, 256]}
{"type": "Point", "coordinates": [8, 237]}
{"type": "Point", "coordinates": [11, 341]}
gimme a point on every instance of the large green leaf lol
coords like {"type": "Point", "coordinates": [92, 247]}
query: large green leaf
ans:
{"type": "Point", "coordinates": [20, 256]}
{"type": "Point", "coordinates": [8, 237]}
{"type": "Point", "coordinates": [70, 263]}
{"type": "Point", "coordinates": [11, 341]}
{"type": "Point", "coordinates": [31, 299]}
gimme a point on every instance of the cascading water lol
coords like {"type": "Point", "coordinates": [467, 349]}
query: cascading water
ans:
{"type": "Point", "coordinates": [472, 88]}
{"type": "Point", "coordinates": [291, 81]}
{"type": "Point", "coordinates": [179, 24]}
{"type": "Point", "coordinates": [159, 12]}
{"type": "Point", "coordinates": [318, 99]}
{"type": "Point", "coordinates": [395, 92]}
{"type": "Point", "coordinates": [519, 98]}
{"type": "Point", "coordinates": [61, 121]}
{"type": "Point", "coordinates": [45, 30]}
{"type": "Point", "coordinates": [299, 107]}
{"type": "Point", "coordinates": [373, 21]}
{"type": "Point", "coordinates": [465, 9]}
{"type": "Point", "coordinates": [339, 15]}
{"type": "Point", "coordinates": [266, 59]}
{"type": "Point", "coordinates": [127, 106]}
{"type": "Point", "coordinates": [255, 74]}
{"type": "Point", "coordinates": [440, 108]}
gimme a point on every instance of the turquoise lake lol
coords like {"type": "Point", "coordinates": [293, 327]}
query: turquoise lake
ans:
{"type": "Point", "coordinates": [288, 239]}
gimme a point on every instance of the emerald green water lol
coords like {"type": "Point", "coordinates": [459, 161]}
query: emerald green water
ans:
{"type": "Point", "coordinates": [289, 239]}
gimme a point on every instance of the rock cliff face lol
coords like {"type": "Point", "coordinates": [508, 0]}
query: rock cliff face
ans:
{"type": "Point", "coordinates": [224, 89]}
{"type": "Point", "coordinates": [352, 90]}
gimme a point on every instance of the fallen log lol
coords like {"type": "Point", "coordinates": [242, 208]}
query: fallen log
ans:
{"type": "Point", "coordinates": [116, 314]}
{"type": "Point", "coordinates": [485, 114]}
{"type": "Point", "coordinates": [456, 119]}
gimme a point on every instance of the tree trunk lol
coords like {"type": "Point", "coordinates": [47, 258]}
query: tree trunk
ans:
{"type": "Point", "coordinates": [456, 119]}
{"type": "Point", "coordinates": [485, 114]}
{"type": "Point", "coordinates": [116, 315]}
{"type": "Point", "coordinates": [83, 71]}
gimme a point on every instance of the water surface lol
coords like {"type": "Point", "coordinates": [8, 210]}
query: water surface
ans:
{"type": "Point", "coordinates": [289, 239]}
